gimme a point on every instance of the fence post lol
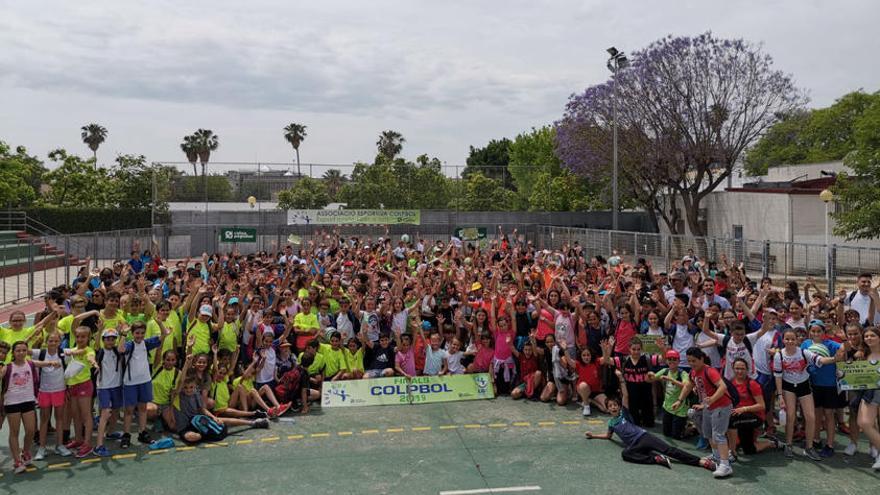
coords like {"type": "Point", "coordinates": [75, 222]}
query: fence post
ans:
{"type": "Point", "coordinates": [95, 240]}
{"type": "Point", "coordinates": [610, 243]}
{"type": "Point", "coordinates": [668, 253]}
{"type": "Point", "coordinates": [67, 258]}
{"type": "Point", "coordinates": [118, 245]}
{"type": "Point", "coordinates": [30, 279]}
{"type": "Point", "coordinates": [832, 273]}
{"type": "Point", "coordinates": [765, 260]}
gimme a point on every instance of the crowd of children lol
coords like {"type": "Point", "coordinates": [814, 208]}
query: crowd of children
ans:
{"type": "Point", "coordinates": [229, 340]}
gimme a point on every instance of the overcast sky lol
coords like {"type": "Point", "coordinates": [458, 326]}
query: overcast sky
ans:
{"type": "Point", "coordinates": [446, 74]}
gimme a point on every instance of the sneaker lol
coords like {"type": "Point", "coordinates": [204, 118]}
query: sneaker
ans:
{"type": "Point", "coordinates": [116, 435]}
{"type": "Point", "coordinates": [826, 452]}
{"type": "Point", "coordinates": [26, 458]}
{"type": "Point", "coordinates": [843, 428]}
{"type": "Point", "coordinates": [708, 463]}
{"type": "Point", "coordinates": [101, 451]}
{"type": "Point", "coordinates": [73, 445]}
{"type": "Point", "coordinates": [41, 454]}
{"type": "Point", "coordinates": [19, 467]}
{"type": "Point", "coordinates": [662, 460]}
{"type": "Point", "coordinates": [851, 449]}
{"type": "Point", "coordinates": [63, 451]}
{"type": "Point", "coordinates": [876, 466]}
{"type": "Point", "coordinates": [873, 452]}
{"type": "Point", "coordinates": [144, 437]}
{"type": "Point", "coordinates": [83, 451]}
{"type": "Point", "coordinates": [789, 454]}
{"type": "Point", "coordinates": [722, 471]}
{"type": "Point", "coordinates": [587, 411]}
{"type": "Point", "coordinates": [702, 444]}
{"type": "Point", "coordinates": [261, 423]}
{"type": "Point", "coordinates": [280, 410]}
{"type": "Point", "coordinates": [258, 414]}
{"type": "Point", "coordinates": [125, 441]}
{"type": "Point", "coordinates": [731, 458]}
{"type": "Point", "coordinates": [812, 454]}
{"type": "Point", "coordinates": [272, 412]}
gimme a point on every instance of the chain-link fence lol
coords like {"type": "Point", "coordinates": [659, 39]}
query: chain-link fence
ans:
{"type": "Point", "coordinates": [778, 260]}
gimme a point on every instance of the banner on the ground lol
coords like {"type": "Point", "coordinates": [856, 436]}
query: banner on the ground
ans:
{"type": "Point", "coordinates": [353, 217]}
{"type": "Point", "coordinates": [237, 234]}
{"type": "Point", "coordinates": [858, 375]}
{"type": "Point", "coordinates": [400, 390]}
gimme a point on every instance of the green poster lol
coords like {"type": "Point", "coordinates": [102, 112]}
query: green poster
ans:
{"type": "Point", "coordinates": [353, 217]}
{"type": "Point", "coordinates": [237, 234]}
{"type": "Point", "coordinates": [649, 343]}
{"type": "Point", "coordinates": [858, 375]}
{"type": "Point", "coordinates": [400, 390]}
{"type": "Point", "coordinates": [472, 234]}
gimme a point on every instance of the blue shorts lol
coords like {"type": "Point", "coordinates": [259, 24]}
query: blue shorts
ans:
{"type": "Point", "coordinates": [137, 394]}
{"type": "Point", "coordinates": [110, 398]}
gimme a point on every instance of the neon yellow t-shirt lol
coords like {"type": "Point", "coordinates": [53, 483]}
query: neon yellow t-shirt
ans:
{"type": "Point", "coordinates": [317, 365]}
{"type": "Point", "coordinates": [247, 384]}
{"type": "Point", "coordinates": [65, 327]}
{"type": "Point", "coordinates": [114, 321]}
{"type": "Point", "coordinates": [306, 321]}
{"type": "Point", "coordinates": [355, 361]}
{"type": "Point", "coordinates": [229, 336]}
{"type": "Point", "coordinates": [334, 360]}
{"type": "Point", "coordinates": [202, 332]}
{"type": "Point", "coordinates": [163, 383]}
{"type": "Point", "coordinates": [220, 393]}
{"type": "Point", "coordinates": [11, 336]}
{"type": "Point", "coordinates": [85, 374]}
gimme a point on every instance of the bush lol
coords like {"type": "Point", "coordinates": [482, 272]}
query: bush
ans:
{"type": "Point", "coordinates": [76, 220]}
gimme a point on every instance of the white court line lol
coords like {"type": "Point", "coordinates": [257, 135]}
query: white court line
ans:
{"type": "Point", "coordinates": [509, 489]}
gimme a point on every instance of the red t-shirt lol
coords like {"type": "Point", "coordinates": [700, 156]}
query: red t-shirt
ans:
{"type": "Point", "coordinates": [623, 336]}
{"type": "Point", "coordinates": [589, 374]}
{"type": "Point", "coordinates": [747, 392]}
{"type": "Point", "coordinates": [546, 324]}
{"type": "Point", "coordinates": [705, 381]}
{"type": "Point", "coordinates": [527, 366]}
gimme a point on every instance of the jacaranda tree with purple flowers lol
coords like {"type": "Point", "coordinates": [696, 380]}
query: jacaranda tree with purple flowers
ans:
{"type": "Point", "coordinates": [687, 109]}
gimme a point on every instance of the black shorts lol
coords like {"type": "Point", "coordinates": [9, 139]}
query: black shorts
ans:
{"type": "Point", "coordinates": [21, 407]}
{"type": "Point", "coordinates": [802, 389]}
{"type": "Point", "coordinates": [828, 397]}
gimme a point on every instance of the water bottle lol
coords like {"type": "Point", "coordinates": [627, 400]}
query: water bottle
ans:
{"type": "Point", "coordinates": [782, 418]}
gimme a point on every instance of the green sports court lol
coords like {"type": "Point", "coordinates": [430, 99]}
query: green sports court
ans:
{"type": "Point", "coordinates": [452, 448]}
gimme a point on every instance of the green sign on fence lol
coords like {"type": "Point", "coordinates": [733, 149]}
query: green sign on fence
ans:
{"type": "Point", "coordinates": [859, 375]}
{"type": "Point", "coordinates": [400, 390]}
{"type": "Point", "coordinates": [237, 234]}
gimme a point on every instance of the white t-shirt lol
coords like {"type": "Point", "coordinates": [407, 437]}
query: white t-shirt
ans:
{"type": "Point", "coordinates": [793, 368]}
{"type": "Point", "coordinates": [453, 362]}
{"type": "Point", "coordinates": [344, 326]}
{"type": "Point", "coordinates": [681, 342]}
{"type": "Point", "coordinates": [712, 351]}
{"type": "Point", "coordinates": [434, 360]}
{"type": "Point", "coordinates": [51, 378]}
{"type": "Point", "coordinates": [137, 370]}
{"type": "Point", "coordinates": [862, 304]}
{"type": "Point", "coordinates": [760, 352]}
{"type": "Point", "coordinates": [267, 372]}
{"type": "Point", "coordinates": [670, 294]}
{"type": "Point", "coordinates": [20, 388]}
{"type": "Point", "coordinates": [740, 350]}
{"type": "Point", "coordinates": [110, 373]}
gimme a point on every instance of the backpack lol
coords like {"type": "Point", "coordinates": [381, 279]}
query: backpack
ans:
{"type": "Point", "coordinates": [42, 357]}
{"type": "Point", "coordinates": [99, 358]}
{"type": "Point", "coordinates": [210, 430]}
{"type": "Point", "coordinates": [849, 298]}
{"type": "Point", "coordinates": [7, 375]}
{"type": "Point", "coordinates": [129, 354]}
{"type": "Point", "coordinates": [173, 379]}
{"type": "Point", "coordinates": [726, 341]}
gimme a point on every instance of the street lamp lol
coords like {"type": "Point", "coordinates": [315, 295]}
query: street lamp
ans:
{"type": "Point", "coordinates": [827, 197]}
{"type": "Point", "coordinates": [616, 62]}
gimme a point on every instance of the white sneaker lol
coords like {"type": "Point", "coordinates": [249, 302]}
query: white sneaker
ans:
{"type": "Point", "coordinates": [63, 451]}
{"type": "Point", "coordinates": [851, 449]}
{"type": "Point", "coordinates": [873, 452]}
{"type": "Point", "coordinates": [722, 471]}
{"type": "Point", "coordinates": [876, 466]}
{"type": "Point", "coordinates": [41, 454]}
{"type": "Point", "coordinates": [587, 410]}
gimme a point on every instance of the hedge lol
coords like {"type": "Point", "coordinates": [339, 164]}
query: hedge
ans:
{"type": "Point", "coordinates": [76, 220]}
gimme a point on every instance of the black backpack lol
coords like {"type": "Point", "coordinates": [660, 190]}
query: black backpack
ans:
{"type": "Point", "coordinates": [99, 358]}
{"type": "Point", "coordinates": [42, 357]}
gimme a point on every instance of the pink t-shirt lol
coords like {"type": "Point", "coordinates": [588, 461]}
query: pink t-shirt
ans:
{"type": "Point", "coordinates": [483, 359]}
{"type": "Point", "coordinates": [21, 385]}
{"type": "Point", "coordinates": [625, 332]}
{"type": "Point", "coordinates": [406, 361]}
{"type": "Point", "coordinates": [546, 324]}
{"type": "Point", "coordinates": [502, 344]}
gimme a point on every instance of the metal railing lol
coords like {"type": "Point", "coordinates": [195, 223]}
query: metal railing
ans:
{"type": "Point", "coordinates": [778, 260]}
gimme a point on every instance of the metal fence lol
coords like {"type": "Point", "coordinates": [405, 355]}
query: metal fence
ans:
{"type": "Point", "coordinates": [778, 260]}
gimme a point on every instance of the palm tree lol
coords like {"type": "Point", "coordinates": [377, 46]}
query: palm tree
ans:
{"type": "Point", "coordinates": [206, 142]}
{"type": "Point", "coordinates": [295, 134]}
{"type": "Point", "coordinates": [390, 144]}
{"type": "Point", "coordinates": [333, 181]}
{"type": "Point", "coordinates": [188, 146]}
{"type": "Point", "coordinates": [93, 135]}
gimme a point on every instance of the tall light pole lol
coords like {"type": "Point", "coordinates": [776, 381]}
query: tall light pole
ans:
{"type": "Point", "coordinates": [617, 61]}
{"type": "Point", "coordinates": [827, 197]}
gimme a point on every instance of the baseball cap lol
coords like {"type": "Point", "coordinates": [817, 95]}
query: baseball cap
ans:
{"type": "Point", "coordinates": [476, 286]}
{"type": "Point", "coordinates": [206, 310]}
{"type": "Point", "coordinates": [817, 323]}
{"type": "Point", "coordinates": [110, 332]}
{"type": "Point", "coordinates": [233, 300]}
{"type": "Point", "coordinates": [686, 259]}
{"type": "Point", "coordinates": [672, 354]}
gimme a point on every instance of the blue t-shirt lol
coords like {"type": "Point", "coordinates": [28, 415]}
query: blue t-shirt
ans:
{"type": "Point", "coordinates": [625, 428]}
{"type": "Point", "coordinates": [826, 376]}
{"type": "Point", "coordinates": [136, 265]}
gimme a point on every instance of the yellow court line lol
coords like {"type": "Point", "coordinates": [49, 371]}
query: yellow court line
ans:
{"type": "Point", "coordinates": [90, 461]}
{"type": "Point", "coordinates": [448, 427]}
{"type": "Point", "coordinates": [215, 445]}
{"type": "Point", "coordinates": [319, 435]}
{"type": "Point", "coordinates": [188, 448]}
{"type": "Point", "coordinates": [31, 469]}
{"type": "Point", "coordinates": [394, 430]}
{"type": "Point", "coordinates": [571, 422]}
{"type": "Point", "coordinates": [546, 423]}
{"type": "Point", "coordinates": [60, 465]}
{"type": "Point", "coordinates": [295, 437]}
{"type": "Point", "coordinates": [421, 428]}
{"type": "Point", "coordinates": [522, 423]}
{"type": "Point", "coordinates": [345, 433]}
{"type": "Point", "coordinates": [369, 432]}
{"type": "Point", "coordinates": [124, 456]}
{"type": "Point", "coordinates": [497, 425]}
{"type": "Point", "coordinates": [270, 439]}
{"type": "Point", "coordinates": [473, 426]}
{"type": "Point", "coordinates": [244, 442]}
{"type": "Point", "coordinates": [160, 451]}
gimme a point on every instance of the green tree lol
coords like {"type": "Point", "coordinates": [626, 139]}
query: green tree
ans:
{"type": "Point", "coordinates": [480, 193]}
{"type": "Point", "coordinates": [76, 183]}
{"type": "Point", "coordinates": [491, 161]}
{"type": "Point", "coordinates": [190, 149]}
{"type": "Point", "coordinates": [93, 135]}
{"type": "Point", "coordinates": [333, 181]}
{"type": "Point", "coordinates": [390, 144]}
{"type": "Point", "coordinates": [563, 192]}
{"type": "Point", "coordinates": [197, 189]}
{"type": "Point", "coordinates": [814, 136]}
{"type": "Point", "coordinates": [306, 193]}
{"type": "Point", "coordinates": [295, 134]}
{"type": "Point", "coordinates": [139, 183]}
{"type": "Point", "coordinates": [20, 176]}
{"type": "Point", "coordinates": [205, 142]}
{"type": "Point", "coordinates": [859, 193]}
{"type": "Point", "coordinates": [531, 155]}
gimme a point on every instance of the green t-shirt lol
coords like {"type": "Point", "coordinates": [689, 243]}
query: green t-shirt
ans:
{"type": "Point", "coordinates": [220, 394]}
{"type": "Point", "coordinates": [317, 366]}
{"type": "Point", "coordinates": [163, 383]}
{"type": "Point", "coordinates": [202, 332]}
{"type": "Point", "coordinates": [11, 336]}
{"type": "Point", "coordinates": [229, 336]}
{"type": "Point", "coordinates": [85, 373]}
{"type": "Point", "coordinates": [672, 392]}
{"type": "Point", "coordinates": [65, 327]}
{"type": "Point", "coordinates": [334, 360]}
